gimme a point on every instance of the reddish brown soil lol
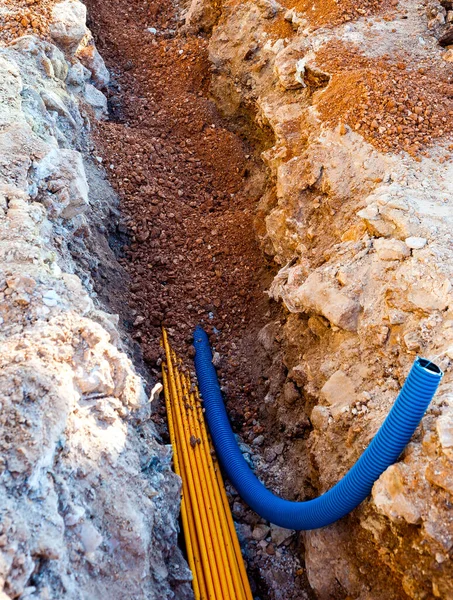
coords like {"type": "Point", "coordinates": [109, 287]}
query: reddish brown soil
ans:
{"type": "Point", "coordinates": [188, 191]}
{"type": "Point", "coordinates": [332, 12]}
{"type": "Point", "coordinates": [393, 104]}
{"type": "Point", "coordinates": [24, 17]}
{"type": "Point", "coordinates": [186, 194]}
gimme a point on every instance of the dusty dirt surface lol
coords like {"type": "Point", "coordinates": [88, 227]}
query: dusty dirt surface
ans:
{"type": "Point", "coordinates": [331, 12]}
{"type": "Point", "coordinates": [186, 198]}
{"type": "Point", "coordinates": [392, 104]}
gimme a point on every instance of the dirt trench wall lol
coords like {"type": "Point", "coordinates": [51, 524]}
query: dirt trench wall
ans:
{"type": "Point", "coordinates": [88, 501]}
{"type": "Point", "coordinates": [358, 214]}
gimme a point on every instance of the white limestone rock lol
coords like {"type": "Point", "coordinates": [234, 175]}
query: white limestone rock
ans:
{"type": "Point", "coordinates": [390, 249]}
{"type": "Point", "coordinates": [90, 58]}
{"type": "Point", "coordinates": [96, 100]}
{"type": "Point", "coordinates": [416, 243]}
{"type": "Point", "coordinates": [325, 298]}
{"type": "Point", "coordinates": [74, 494]}
{"type": "Point", "coordinates": [68, 26]}
{"type": "Point", "coordinates": [392, 497]}
{"type": "Point", "coordinates": [339, 392]}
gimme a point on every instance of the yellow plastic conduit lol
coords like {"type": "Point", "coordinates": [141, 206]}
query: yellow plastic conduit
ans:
{"type": "Point", "coordinates": [220, 487]}
{"type": "Point", "coordinates": [193, 552]}
{"type": "Point", "coordinates": [219, 520]}
{"type": "Point", "coordinates": [207, 557]}
{"type": "Point", "coordinates": [213, 550]}
{"type": "Point", "coordinates": [223, 510]}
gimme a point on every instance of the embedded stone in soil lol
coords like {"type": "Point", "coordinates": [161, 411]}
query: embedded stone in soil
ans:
{"type": "Point", "coordinates": [188, 187]}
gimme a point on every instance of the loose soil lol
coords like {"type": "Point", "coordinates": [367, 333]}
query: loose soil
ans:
{"type": "Point", "coordinates": [393, 104]}
{"type": "Point", "coordinates": [189, 188]}
{"type": "Point", "coordinates": [329, 13]}
{"type": "Point", "coordinates": [24, 17]}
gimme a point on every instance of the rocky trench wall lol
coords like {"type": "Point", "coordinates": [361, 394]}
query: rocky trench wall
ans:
{"type": "Point", "coordinates": [363, 241]}
{"type": "Point", "coordinates": [88, 501]}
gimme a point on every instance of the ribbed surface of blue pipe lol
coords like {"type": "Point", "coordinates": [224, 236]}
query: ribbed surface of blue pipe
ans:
{"type": "Point", "coordinates": [385, 448]}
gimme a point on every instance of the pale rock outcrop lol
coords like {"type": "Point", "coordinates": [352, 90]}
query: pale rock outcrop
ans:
{"type": "Point", "coordinates": [391, 249]}
{"type": "Point", "coordinates": [339, 393]}
{"type": "Point", "coordinates": [200, 16]}
{"type": "Point", "coordinates": [326, 298]}
{"type": "Point", "coordinates": [69, 32]}
{"type": "Point", "coordinates": [96, 100]}
{"type": "Point", "coordinates": [88, 500]}
{"type": "Point", "coordinates": [415, 243]}
{"type": "Point", "coordinates": [390, 497]}
{"type": "Point", "coordinates": [89, 56]}
{"type": "Point", "coordinates": [61, 177]}
{"type": "Point", "coordinates": [363, 240]}
{"type": "Point", "coordinates": [286, 69]}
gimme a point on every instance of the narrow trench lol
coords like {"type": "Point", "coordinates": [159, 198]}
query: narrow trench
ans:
{"type": "Point", "coordinates": [188, 186]}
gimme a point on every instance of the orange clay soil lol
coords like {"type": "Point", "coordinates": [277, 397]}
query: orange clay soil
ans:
{"type": "Point", "coordinates": [393, 105]}
{"type": "Point", "coordinates": [332, 12]}
{"type": "Point", "coordinates": [24, 17]}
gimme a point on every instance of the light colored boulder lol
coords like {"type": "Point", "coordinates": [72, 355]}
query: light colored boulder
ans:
{"type": "Point", "coordinates": [93, 61]}
{"type": "Point", "coordinates": [444, 427]}
{"type": "Point", "coordinates": [320, 417]}
{"type": "Point", "coordinates": [77, 77]}
{"type": "Point", "coordinates": [328, 299]}
{"type": "Point", "coordinates": [415, 243]}
{"type": "Point", "coordinates": [62, 178]}
{"type": "Point", "coordinates": [430, 294]}
{"type": "Point", "coordinates": [390, 249]}
{"type": "Point", "coordinates": [393, 498]}
{"type": "Point", "coordinates": [200, 15]}
{"type": "Point", "coordinates": [96, 100]}
{"type": "Point", "coordinates": [68, 26]}
{"type": "Point", "coordinates": [285, 67]}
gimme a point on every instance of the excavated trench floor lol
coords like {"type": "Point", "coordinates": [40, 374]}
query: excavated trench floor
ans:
{"type": "Point", "coordinates": [187, 198]}
{"type": "Point", "coordinates": [188, 187]}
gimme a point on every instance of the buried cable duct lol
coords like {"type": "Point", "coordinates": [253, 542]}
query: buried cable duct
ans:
{"type": "Point", "coordinates": [385, 448]}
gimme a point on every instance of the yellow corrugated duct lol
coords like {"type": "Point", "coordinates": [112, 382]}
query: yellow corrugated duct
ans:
{"type": "Point", "coordinates": [188, 523]}
{"type": "Point", "coordinates": [213, 550]}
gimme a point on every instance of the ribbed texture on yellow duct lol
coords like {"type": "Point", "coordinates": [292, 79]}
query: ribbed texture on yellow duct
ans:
{"type": "Point", "coordinates": [212, 545]}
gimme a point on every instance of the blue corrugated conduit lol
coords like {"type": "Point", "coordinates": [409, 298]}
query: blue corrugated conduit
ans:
{"type": "Point", "coordinates": [385, 448]}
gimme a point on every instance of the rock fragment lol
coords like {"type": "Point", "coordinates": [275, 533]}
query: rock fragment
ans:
{"type": "Point", "coordinates": [415, 243]}
{"type": "Point", "coordinates": [280, 535]}
{"type": "Point", "coordinates": [391, 496]}
{"type": "Point", "coordinates": [324, 297]}
{"type": "Point", "coordinates": [339, 392]}
{"type": "Point", "coordinates": [68, 25]}
{"type": "Point", "coordinates": [260, 532]}
{"type": "Point", "coordinates": [390, 249]}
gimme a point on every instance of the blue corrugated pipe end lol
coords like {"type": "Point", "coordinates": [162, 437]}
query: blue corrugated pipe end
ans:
{"type": "Point", "coordinates": [384, 449]}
